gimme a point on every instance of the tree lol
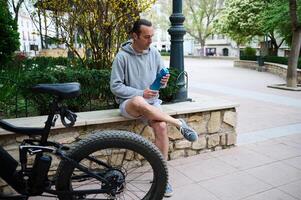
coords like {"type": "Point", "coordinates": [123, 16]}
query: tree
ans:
{"type": "Point", "coordinates": [240, 20]}
{"type": "Point", "coordinates": [159, 15]}
{"type": "Point", "coordinates": [275, 23]}
{"type": "Point", "coordinates": [9, 36]}
{"type": "Point", "coordinates": [291, 78]}
{"type": "Point", "coordinates": [100, 25]}
{"type": "Point", "coordinates": [16, 5]}
{"type": "Point", "coordinates": [199, 19]}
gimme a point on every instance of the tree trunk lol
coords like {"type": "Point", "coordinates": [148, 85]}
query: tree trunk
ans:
{"type": "Point", "coordinates": [202, 50]}
{"type": "Point", "coordinates": [291, 76]}
{"type": "Point", "coordinates": [238, 50]}
{"type": "Point", "coordinates": [46, 39]}
{"type": "Point", "coordinates": [273, 51]}
{"type": "Point", "coordinates": [57, 28]}
{"type": "Point", "coordinates": [40, 29]}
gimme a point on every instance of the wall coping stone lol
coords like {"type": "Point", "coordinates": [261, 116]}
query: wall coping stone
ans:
{"type": "Point", "coordinates": [265, 63]}
{"type": "Point", "coordinates": [200, 103]}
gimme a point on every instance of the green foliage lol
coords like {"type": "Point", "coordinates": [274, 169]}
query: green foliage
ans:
{"type": "Point", "coordinates": [276, 18]}
{"type": "Point", "coordinates": [16, 81]}
{"type": "Point", "coordinates": [165, 53]}
{"type": "Point", "coordinates": [200, 16]}
{"type": "Point", "coordinates": [168, 94]}
{"type": "Point", "coordinates": [100, 26]}
{"type": "Point", "coordinates": [94, 87]}
{"type": "Point", "coordinates": [249, 51]}
{"type": "Point", "coordinates": [9, 36]}
{"type": "Point", "coordinates": [240, 20]}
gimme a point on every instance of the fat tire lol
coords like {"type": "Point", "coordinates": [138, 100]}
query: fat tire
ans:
{"type": "Point", "coordinates": [115, 139]}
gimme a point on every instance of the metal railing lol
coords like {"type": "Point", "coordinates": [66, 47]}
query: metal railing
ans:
{"type": "Point", "coordinates": [13, 104]}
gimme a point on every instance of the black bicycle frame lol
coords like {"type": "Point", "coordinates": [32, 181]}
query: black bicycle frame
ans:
{"type": "Point", "coordinates": [38, 147]}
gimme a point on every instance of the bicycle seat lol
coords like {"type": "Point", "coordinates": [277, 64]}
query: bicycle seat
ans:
{"type": "Point", "coordinates": [61, 90]}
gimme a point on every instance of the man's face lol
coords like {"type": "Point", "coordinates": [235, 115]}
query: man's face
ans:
{"type": "Point", "coordinates": [144, 39]}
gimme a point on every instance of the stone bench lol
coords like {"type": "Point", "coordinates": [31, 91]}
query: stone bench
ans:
{"type": "Point", "coordinates": [214, 120]}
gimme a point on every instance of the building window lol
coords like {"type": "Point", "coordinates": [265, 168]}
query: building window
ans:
{"type": "Point", "coordinates": [225, 52]}
{"type": "Point", "coordinates": [210, 51]}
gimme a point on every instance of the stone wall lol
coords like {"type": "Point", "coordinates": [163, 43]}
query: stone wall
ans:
{"type": "Point", "coordinates": [273, 68]}
{"type": "Point", "coordinates": [216, 129]}
{"type": "Point", "coordinates": [58, 52]}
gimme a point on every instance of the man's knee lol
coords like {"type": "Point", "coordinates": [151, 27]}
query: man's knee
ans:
{"type": "Point", "coordinates": [138, 102]}
{"type": "Point", "coordinates": [160, 127]}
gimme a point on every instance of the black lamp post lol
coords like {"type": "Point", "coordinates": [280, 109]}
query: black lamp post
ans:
{"type": "Point", "coordinates": [177, 31]}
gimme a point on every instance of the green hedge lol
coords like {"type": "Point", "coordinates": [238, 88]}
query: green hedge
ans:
{"type": "Point", "coordinates": [165, 53]}
{"type": "Point", "coordinates": [273, 59]}
{"type": "Point", "coordinates": [95, 89]}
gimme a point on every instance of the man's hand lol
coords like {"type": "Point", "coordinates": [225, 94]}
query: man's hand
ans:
{"type": "Point", "coordinates": [164, 80]}
{"type": "Point", "coordinates": [147, 93]}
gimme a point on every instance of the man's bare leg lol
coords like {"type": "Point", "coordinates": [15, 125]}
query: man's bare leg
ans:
{"type": "Point", "coordinates": [161, 137]}
{"type": "Point", "coordinates": [137, 107]}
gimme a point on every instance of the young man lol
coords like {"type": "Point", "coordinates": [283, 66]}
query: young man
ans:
{"type": "Point", "coordinates": [134, 70]}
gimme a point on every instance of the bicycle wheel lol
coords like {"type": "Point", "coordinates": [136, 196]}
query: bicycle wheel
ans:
{"type": "Point", "coordinates": [133, 167]}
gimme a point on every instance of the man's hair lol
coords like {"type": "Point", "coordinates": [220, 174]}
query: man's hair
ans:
{"type": "Point", "coordinates": [138, 24]}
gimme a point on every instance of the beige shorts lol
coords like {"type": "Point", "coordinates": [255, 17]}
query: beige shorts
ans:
{"type": "Point", "coordinates": [156, 103]}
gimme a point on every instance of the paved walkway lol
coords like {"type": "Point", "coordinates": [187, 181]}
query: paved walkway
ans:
{"type": "Point", "coordinates": [266, 163]}
{"type": "Point", "coordinates": [267, 170]}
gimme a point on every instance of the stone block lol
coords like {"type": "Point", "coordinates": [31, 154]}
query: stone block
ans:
{"type": "Point", "coordinates": [200, 127]}
{"type": "Point", "coordinates": [213, 140]}
{"type": "Point", "coordinates": [21, 138]}
{"type": "Point", "coordinates": [177, 154]}
{"type": "Point", "coordinates": [148, 133]}
{"type": "Point", "coordinates": [170, 147]}
{"type": "Point", "coordinates": [230, 118]}
{"type": "Point", "coordinates": [195, 118]}
{"type": "Point", "coordinates": [200, 143]}
{"type": "Point", "coordinates": [174, 133]}
{"type": "Point", "coordinates": [190, 152]}
{"type": "Point", "coordinates": [67, 140]}
{"type": "Point", "coordinates": [231, 138]}
{"type": "Point", "coordinates": [214, 123]}
{"type": "Point", "coordinates": [217, 148]}
{"type": "Point", "coordinates": [226, 127]}
{"type": "Point", "coordinates": [223, 140]}
{"type": "Point", "coordinates": [59, 136]}
{"type": "Point", "coordinates": [182, 144]}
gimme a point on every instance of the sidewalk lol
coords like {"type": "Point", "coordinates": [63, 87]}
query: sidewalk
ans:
{"type": "Point", "coordinates": [266, 163]}
{"type": "Point", "coordinates": [266, 170]}
{"type": "Point", "coordinates": [269, 169]}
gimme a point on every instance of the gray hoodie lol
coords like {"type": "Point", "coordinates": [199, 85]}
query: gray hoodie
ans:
{"type": "Point", "coordinates": [133, 72]}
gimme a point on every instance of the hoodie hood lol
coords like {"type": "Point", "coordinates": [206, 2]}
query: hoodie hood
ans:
{"type": "Point", "coordinates": [127, 47]}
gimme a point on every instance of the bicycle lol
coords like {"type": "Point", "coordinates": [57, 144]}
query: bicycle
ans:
{"type": "Point", "coordinates": [105, 165]}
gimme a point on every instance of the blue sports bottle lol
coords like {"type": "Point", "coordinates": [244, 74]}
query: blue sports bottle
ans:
{"type": "Point", "coordinates": [156, 85]}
